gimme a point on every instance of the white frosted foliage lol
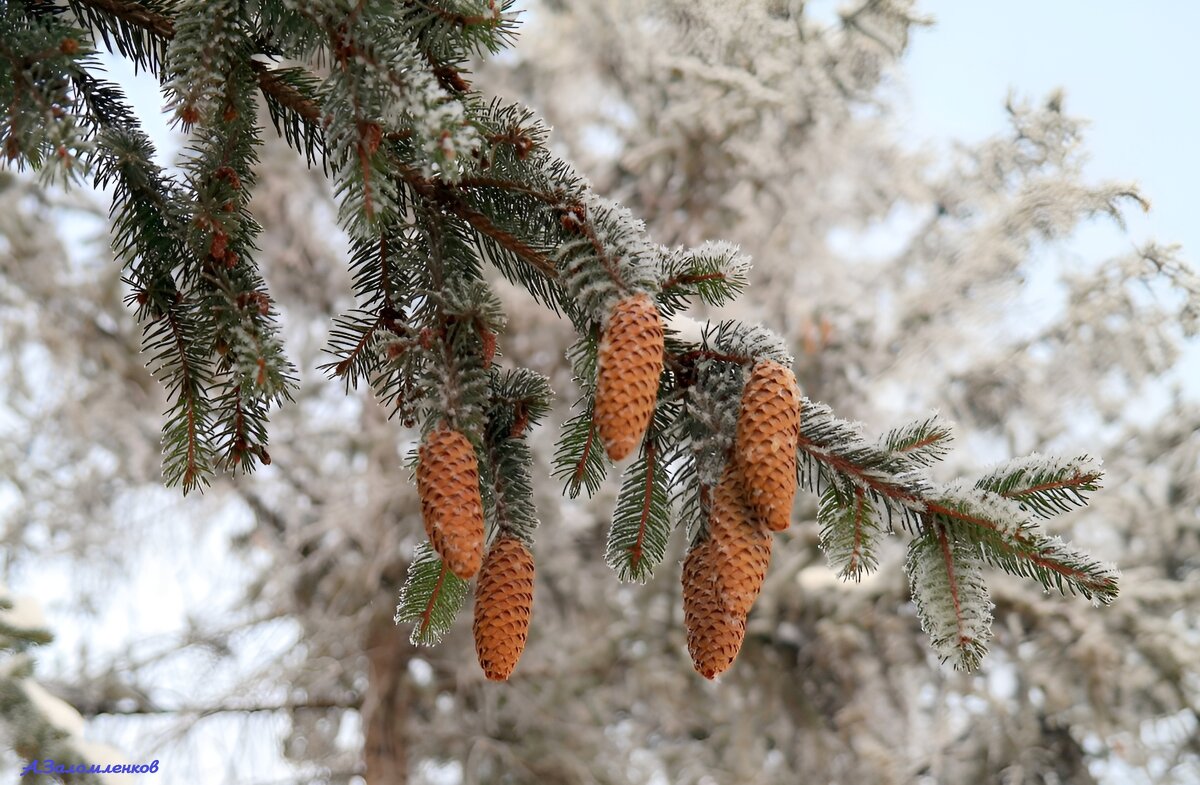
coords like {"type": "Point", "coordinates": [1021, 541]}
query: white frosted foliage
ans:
{"type": "Point", "coordinates": [55, 710]}
{"type": "Point", "coordinates": [1035, 464]}
{"type": "Point", "coordinates": [756, 341]}
{"type": "Point", "coordinates": [952, 601]}
{"type": "Point", "coordinates": [25, 613]}
{"type": "Point", "coordinates": [964, 496]}
{"type": "Point", "coordinates": [686, 328]}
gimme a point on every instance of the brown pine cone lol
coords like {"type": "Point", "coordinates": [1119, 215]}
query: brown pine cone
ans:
{"type": "Point", "coordinates": [714, 632]}
{"type": "Point", "coordinates": [503, 605]}
{"type": "Point", "coordinates": [742, 545]}
{"type": "Point", "coordinates": [630, 363]}
{"type": "Point", "coordinates": [768, 429]}
{"type": "Point", "coordinates": [448, 484]}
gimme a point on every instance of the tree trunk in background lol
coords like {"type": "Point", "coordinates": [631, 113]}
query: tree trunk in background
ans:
{"type": "Point", "coordinates": [385, 751]}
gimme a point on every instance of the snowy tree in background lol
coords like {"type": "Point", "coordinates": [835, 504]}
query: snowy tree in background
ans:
{"type": "Point", "coordinates": [765, 129]}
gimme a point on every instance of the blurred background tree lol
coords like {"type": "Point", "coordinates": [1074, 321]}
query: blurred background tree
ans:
{"type": "Point", "coordinates": [902, 283]}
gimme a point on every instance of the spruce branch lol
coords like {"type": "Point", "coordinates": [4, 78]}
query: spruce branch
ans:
{"type": "Point", "coordinates": [519, 400]}
{"type": "Point", "coordinates": [147, 229]}
{"type": "Point", "coordinates": [180, 362]}
{"type": "Point", "coordinates": [431, 597]}
{"type": "Point", "coordinates": [295, 116]}
{"type": "Point", "coordinates": [833, 453]}
{"type": "Point", "coordinates": [924, 442]}
{"type": "Point", "coordinates": [146, 15]}
{"type": "Point", "coordinates": [642, 521]}
{"type": "Point", "coordinates": [1013, 543]}
{"type": "Point", "coordinates": [40, 119]}
{"type": "Point", "coordinates": [850, 532]}
{"type": "Point", "coordinates": [504, 239]}
{"type": "Point", "coordinates": [715, 272]}
{"type": "Point", "coordinates": [951, 597]}
{"type": "Point", "coordinates": [457, 19]}
{"type": "Point", "coordinates": [579, 460]}
{"type": "Point", "coordinates": [836, 460]}
{"type": "Point", "coordinates": [1043, 485]}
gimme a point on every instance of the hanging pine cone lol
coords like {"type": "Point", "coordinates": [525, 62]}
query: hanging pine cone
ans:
{"type": "Point", "coordinates": [448, 484]}
{"type": "Point", "coordinates": [630, 363]}
{"type": "Point", "coordinates": [742, 545]}
{"type": "Point", "coordinates": [714, 632]}
{"type": "Point", "coordinates": [768, 429]}
{"type": "Point", "coordinates": [503, 604]}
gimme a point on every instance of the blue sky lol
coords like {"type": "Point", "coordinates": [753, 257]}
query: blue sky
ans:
{"type": "Point", "coordinates": [1131, 68]}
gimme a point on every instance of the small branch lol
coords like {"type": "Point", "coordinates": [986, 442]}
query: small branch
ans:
{"type": "Point", "coordinates": [1091, 583]}
{"type": "Point", "coordinates": [635, 552]}
{"type": "Point", "coordinates": [427, 614]}
{"type": "Point", "coordinates": [610, 267]}
{"type": "Point", "coordinates": [684, 280]}
{"type": "Point", "coordinates": [109, 709]}
{"type": "Point", "coordinates": [581, 466]}
{"type": "Point", "coordinates": [448, 77]}
{"type": "Point", "coordinates": [187, 391]}
{"type": "Point", "coordinates": [845, 466]}
{"type": "Point", "coordinates": [454, 18]}
{"type": "Point", "coordinates": [344, 364]}
{"type": "Point", "coordinates": [484, 225]}
{"type": "Point", "coordinates": [444, 195]}
{"type": "Point", "coordinates": [512, 186]}
{"type": "Point", "coordinates": [952, 578]}
{"type": "Point", "coordinates": [499, 503]}
{"type": "Point", "coordinates": [384, 271]}
{"type": "Point", "coordinates": [287, 96]}
{"type": "Point", "coordinates": [853, 567]}
{"type": "Point", "coordinates": [932, 438]}
{"type": "Point", "coordinates": [1070, 482]}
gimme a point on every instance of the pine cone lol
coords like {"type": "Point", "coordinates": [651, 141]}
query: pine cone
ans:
{"type": "Point", "coordinates": [767, 431]}
{"type": "Point", "coordinates": [631, 361]}
{"type": "Point", "coordinates": [448, 484]}
{"type": "Point", "coordinates": [714, 633]}
{"type": "Point", "coordinates": [503, 604]}
{"type": "Point", "coordinates": [742, 545]}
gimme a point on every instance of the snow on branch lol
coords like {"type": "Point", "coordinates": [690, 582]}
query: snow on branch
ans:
{"type": "Point", "coordinates": [850, 533]}
{"type": "Point", "coordinates": [1045, 485]}
{"type": "Point", "coordinates": [957, 526]}
{"type": "Point", "coordinates": [924, 442]}
{"type": "Point", "coordinates": [952, 602]}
